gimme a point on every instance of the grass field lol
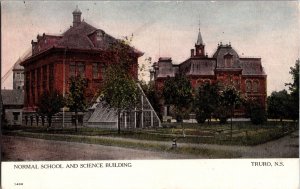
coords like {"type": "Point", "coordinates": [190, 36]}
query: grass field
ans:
{"type": "Point", "coordinates": [243, 133]}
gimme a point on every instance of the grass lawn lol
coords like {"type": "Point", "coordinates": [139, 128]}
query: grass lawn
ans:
{"type": "Point", "coordinates": [243, 133]}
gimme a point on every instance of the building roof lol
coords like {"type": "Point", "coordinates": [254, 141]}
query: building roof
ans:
{"type": "Point", "coordinates": [224, 50]}
{"type": "Point", "coordinates": [252, 67]}
{"type": "Point", "coordinates": [199, 39]}
{"type": "Point", "coordinates": [202, 67]}
{"type": "Point", "coordinates": [12, 97]}
{"type": "Point", "coordinates": [79, 36]}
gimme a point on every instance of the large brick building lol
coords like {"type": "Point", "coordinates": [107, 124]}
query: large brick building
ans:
{"type": "Point", "coordinates": [225, 66]}
{"type": "Point", "coordinates": [81, 50]}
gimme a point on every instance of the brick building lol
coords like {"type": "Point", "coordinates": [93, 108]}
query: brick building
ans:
{"type": "Point", "coordinates": [81, 50]}
{"type": "Point", "coordinates": [225, 66]}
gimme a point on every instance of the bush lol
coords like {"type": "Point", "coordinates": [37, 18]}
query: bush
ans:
{"type": "Point", "coordinates": [256, 111]}
{"type": "Point", "coordinates": [258, 116]}
{"type": "Point", "coordinates": [222, 114]}
{"type": "Point", "coordinates": [200, 116]}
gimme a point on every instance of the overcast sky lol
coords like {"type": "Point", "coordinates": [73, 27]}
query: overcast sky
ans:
{"type": "Point", "coordinates": [269, 30]}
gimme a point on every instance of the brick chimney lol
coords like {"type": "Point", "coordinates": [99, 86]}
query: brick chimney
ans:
{"type": "Point", "coordinates": [192, 52]}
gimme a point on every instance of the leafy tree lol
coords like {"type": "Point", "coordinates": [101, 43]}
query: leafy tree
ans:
{"type": "Point", "coordinates": [294, 88]}
{"type": "Point", "coordinates": [49, 104]}
{"type": "Point", "coordinates": [120, 90]}
{"type": "Point", "coordinates": [76, 97]}
{"type": "Point", "coordinates": [255, 111]}
{"type": "Point", "coordinates": [229, 98]}
{"type": "Point", "coordinates": [278, 105]}
{"type": "Point", "coordinates": [206, 101]}
{"type": "Point", "coordinates": [177, 91]}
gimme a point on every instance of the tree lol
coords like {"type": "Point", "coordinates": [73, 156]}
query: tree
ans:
{"type": "Point", "coordinates": [49, 104]}
{"type": "Point", "coordinates": [278, 105]}
{"type": "Point", "coordinates": [76, 97]}
{"type": "Point", "coordinates": [206, 101]}
{"type": "Point", "coordinates": [229, 98]}
{"type": "Point", "coordinates": [177, 91]}
{"type": "Point", "coordinates": [294, 88]}
{"type": "Point", "coordinates": [255, 111]}
{"type": "Point", "coordinates": [120, 90]}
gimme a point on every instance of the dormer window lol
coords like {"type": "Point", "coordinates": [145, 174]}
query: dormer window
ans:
{"type": "Point", "coordinates": [99, 36]}
{"type": "Point", "coordinates": [228, 60]}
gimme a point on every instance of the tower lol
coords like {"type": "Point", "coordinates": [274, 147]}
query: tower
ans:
{"type": "Point", "coordinates": [200, 46]}
{"type": "Point", "coordinates": [76, 17]}
{"type": "Point", "coordinates": [18, 75]}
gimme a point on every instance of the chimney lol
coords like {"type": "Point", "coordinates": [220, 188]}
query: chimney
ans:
{"type": "Point", "coordinates": [192, 52]}
{"type": "Point", "coordinates": [76, 17]}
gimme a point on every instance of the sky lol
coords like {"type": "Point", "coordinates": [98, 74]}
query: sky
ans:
{"type": "Point", "coordinates": [268, 30]}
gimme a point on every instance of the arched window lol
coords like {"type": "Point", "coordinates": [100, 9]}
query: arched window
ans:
{"type": "Point", "coordinates": [248, 86]}
{"type": "Point", "coordinates": [236, 84]}
{"type": "Point", "coordinates": [255, 86]}
{"type": "Point", "coordinates": [207, 81]}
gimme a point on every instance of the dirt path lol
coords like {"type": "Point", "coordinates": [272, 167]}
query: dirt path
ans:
{"type": "Point", "coordinates": [285, 147]}
{"type": "Point", "coordinates": [21, 148]}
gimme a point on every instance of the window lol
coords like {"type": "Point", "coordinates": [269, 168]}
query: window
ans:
{"type": "Point", "coordinates": [255, 86]}
{"type": "Point", "coordinates": [95, 71]}
{"type": "Point", "coordinates": [207, 81]}
{"type": "Point", "coordinates": [27, 85]}
{"type": "Point", "coordinates": [102, 70]}
{"type": "Point", "coordinates": [228, 62]}
{"type": "Point", "coordinates": [33, 85]}
{"type": "Point", "coordinates": [236, 84]}
{"type": "Point", "coordinates": [228, 59]}
{"type": "Point", "coordinates": [99, 36]}
{"type": "Point", "coordinates": [16, 116]}
{"type": "Point", "coordinates": [72, 69]}
{"type": "Point", "coordinates": [248, 86]}
{"type": "Point", "coordinates": [81, 69]}
{"type": "Point", "coordinates": [77, 69]}
{"type": "Point", "coordinates": [45, 76]}
{"type": "Point", "coordinates": [51, 77]}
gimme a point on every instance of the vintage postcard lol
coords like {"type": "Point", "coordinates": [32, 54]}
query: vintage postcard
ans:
{"type": "Point", "coordinates": [158, 94]}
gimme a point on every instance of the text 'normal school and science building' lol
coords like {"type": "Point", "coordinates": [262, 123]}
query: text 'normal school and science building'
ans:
{"type": "Point", "coordinates": [225, 66]}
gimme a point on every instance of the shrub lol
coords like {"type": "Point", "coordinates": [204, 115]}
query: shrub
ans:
{"type": "Point", "coordinates": [258, 116]}
{"type": "Point", "coordinates": [200, 116]}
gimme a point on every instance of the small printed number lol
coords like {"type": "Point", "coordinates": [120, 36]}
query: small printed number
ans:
{"type": "Point", "coordinates": [18, 184]}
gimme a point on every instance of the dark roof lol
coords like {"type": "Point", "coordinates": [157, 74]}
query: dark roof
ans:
{"type": "Point", "coordinates": [224, 50]}
{"type": "Point", "coordinates": [202, 67]}
{"type": "Point", "coordinates": [12, 97]}
{"type": "Point", "coordinates": [199, 39]}
{"type": "Point", "coordinates": [78, 37]}
{"type": "Point", "coordinates": [252, 67]}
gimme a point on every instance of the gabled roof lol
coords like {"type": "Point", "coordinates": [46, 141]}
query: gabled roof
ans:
{"type": "Point", "coordinates": [12, 97]}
